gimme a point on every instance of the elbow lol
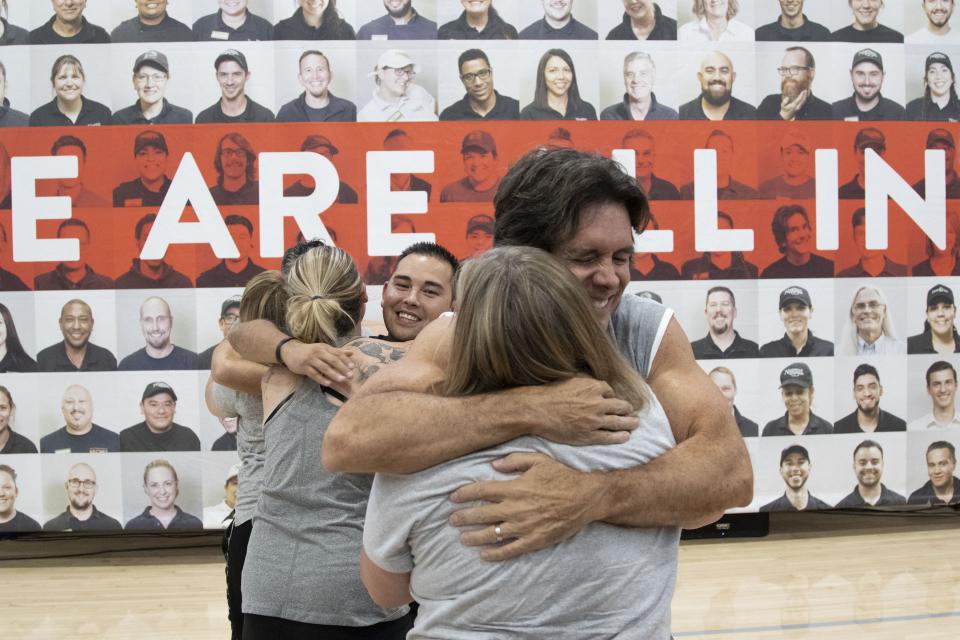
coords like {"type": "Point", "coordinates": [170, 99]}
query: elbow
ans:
{"type": "Point", "coordinates": [740, 492]}
{"type": "Point", "coordinates": [386, 599]}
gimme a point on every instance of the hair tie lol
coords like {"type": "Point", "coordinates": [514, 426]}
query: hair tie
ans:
{"type": "Point", "coordinates": [316, 297]}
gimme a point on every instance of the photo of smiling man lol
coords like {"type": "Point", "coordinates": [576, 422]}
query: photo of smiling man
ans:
{"type": "Point", "coordinates": [643, 20]}
{"type": "Point", "coordinates": [234, 105]}
{"type": "Point", "coordinates": [639, 101]}
{"type": "Point", "coordinates": [158, 431]}
{"type": "Point", "coordinates": [316, 103]}
{"type": "Point", "coordinates": [867, 102]}
{"type": "Point", "coordinates": [158, 353]}
{"type": "Point", "coordinates": [939, 327]}
{"type": "Point", "coordinates": [151, 24]}
{"type": "Point", "coordinates": [149, 188]}
{"type": "Point", "coordinates": [75, 352]}
{"type": "Point", "coordinates": [795, 240]}
{"type": "Point", "coordinates": [81, 513]}
{"type": "Point", "coordinates": [866, 25]}
{"type": "Point", "coordinates": [232, 21]}
{"type": "Point", "coordinates": [795, 470]}
{"type": "Point", "coordinates": [716, 102]}
{"type": "Point", "coordinates": [481, 101]}
{"type": "Point", "coordinates": [870, 492]}
{"type": "Point", "coordinates": [79, 433]}
{"type": "Point", "coordinates": [479, 152]}
{"type": "Point", "coordinates": [151, 71]}
{"type": "Point", "coordinates": [868, 417]}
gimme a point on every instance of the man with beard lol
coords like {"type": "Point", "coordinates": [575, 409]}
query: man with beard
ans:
{"type": "Point", "coordinates": [396, 96]}
{"type": "Point", "coordinates": [727, 384]}
{"type": "Point", "coordinates": [159, 353]}
{"type": "Point", "coordinates": [402, 22]}
{"type": "Point", "coordinates": [316, 103]}
{"type": "Point", "coordinates": [868, 416]}
{"type": "Point", "coordinates": [558, 24]}
{"type": "Point", "coordinates": [479, 21]}
{"type": "Point", "coordinates": [641, 142]}
{"type": "Point", "coordinates": [81, 514]}
{"type": "Point", "coordinates": [323, 146]}
{"type": "Point", "coordinates": [79, 433]}
{"type": "Point", "coordinates": [68, 26]}
{"type": "Point", "coordinates": [234, 105]}
{"type": "Point", "coordinates": [11, 520]}
{"type": "Point", "coordinates": [150, 155]}
{"type": "Point", "coordinates": [233, 21]}
{"type": "Point", "coordinates": [872, 263]}
{"type": "Point", "coordinates": [796, 389]}
{"type": "Point", "coordinates": [158, 431]}
{"type": "Point", "coordinates": [866, 26]}
{"type": "Point", "coordinates": [482, 101]}
{"type": "Point", "coordinates": [937, 30]}
{"type": "Point", "coordinates": [479, 235]}
{"type": "Point", "coordinates": [792, 25]}
{"type": "Point", "coordinates": [151, 71]}
{"type": "Point", "coordinates": [639, 101]}
{"type": "Point", "coordinates": [795, 183]}
{"type": "Point", "coordinates": [234, 272]}
{"type": "Point", "coordinates": [150, 274]}
{"type": "Point", "coordinates": [643, 20]}
{"type": "Point", "coordinates": [798, 341]}
{"type": "Point", "coordinates": [716, 101]}
{"type": "Point", "coordinates": [75, 352]}
{"type": "Point", "coordinates": [943, 140]}
{"type": "Point", "coordinates": [867, 103]}
{"type": "Point", "coordinates": [152, 24]}
{"type": "Point", "coordinates": [942, 388]}
{"type": "Point", "coordinates": [479, 151]}
{"type": "Point", "coordinates": [795, 100]}
{"type": "Point", "coordinates": [722, 340]}
{"type": "Point", "coordinates": [869, 329]}
{"type": "Point", "coordinates": [795, 471]}
{"type": "Point", "coordinates": [869, 138]}
{"type": "Point", "coordinates": [727, 187]}
{"type": "Point", "coordinates": [74, 188]}
{"type": "Point", "coordinates": [236, 165]}
{"type": "Point", "coordinates": [943, 487]}
{"type": "Point", "coordinates": [73, 274]}
{"type": "Point", "coordinates": [719, 265]}
{"type": "Point", "coordinates": [794, 238]}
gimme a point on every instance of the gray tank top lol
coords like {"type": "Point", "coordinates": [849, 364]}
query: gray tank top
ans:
{"type": "Point", "coordinates": [302, 562]}
{"type": "Point", "coordinates": [249, 411]}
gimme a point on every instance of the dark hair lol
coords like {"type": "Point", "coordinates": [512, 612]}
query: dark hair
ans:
{"type": "Point", "coordinates": [943, 444]}
{"type": "Point", "coordinates": [73, 222]}
{"type": "Point", "coordinates": [867, 444]}
{"type": "Point", "coordinates": [940, 365]}
{"type": "Point", "coordinates": [806, 53]}
{"type": "Point", "coordinates": [293, 253]}
{"type": "Point", "coordinates": [3, 232]}
{"type": "Point", "coordinates": [7, 469]}
{"type": "Point", "coordinates": [726, 216]}
{"type": "Point", "coordinates": [541, 198]}
{"type": "Point", "coordinates": [395, 133]}
{"type": "Point", "coordinates": [13, 344]}
{"type": "Point", "coordinates": [430, 250]}
{"type": "Point", "coordinates": [6, 392]}
{"type": "Point", "coordinates": [719, 133]}
{"type": "Point", "coordinates": [719, 288]}
{"type": "Point", "coordinates": [953, 104]}
{"type": "Point", "coordinates": [574, 102]}
{"type": "Point", "coordinates": [859, 217]}
{"type": "Point", "coordinates": [313, 52]}
{"type": "Point", "coordinates": [68, 141]}
{"type": "Point", "coordinates": [241, 142]}
{"type": "Point", "coordinates": [471, 54]}
{"type": "Point", "coordinates": [238, 219]}
{"type": "Point", "coordinates": [141, 223]}
{"type": "Point", "coordinates": [865, 370]}
{"type": "Point", "coordinates": [779, 223]}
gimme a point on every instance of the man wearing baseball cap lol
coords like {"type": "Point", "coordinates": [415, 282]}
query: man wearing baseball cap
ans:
{"type": "Point", "coordinates": [396, 97]}
{"type": "Point", "coordinates": [151, 71]}
{"type": "Point", "coordinates": [798, 341]}
{"type": "Point", "coordinates": [229, 314]}
{"type": "Point", "coordinates": [868, 138]}
{"type": "Point", "coordinates": [796, 389]}
{"type": "Point", "coordinates": [796, 182]}
{"type": "Point", "coordinates": [479, 235]}
{"type": "Point", "coordinates": [936, 29]}
{"type": "Point", "coordinates": [316, 103]}
{"type": "Point", "coordinates": [151, 24]}
{"type": "Point", "coordinates": [868, 417]}
{"type": "Point", "coordinates": [795, 471]}
{"type": "Point", "coordinates": [158, 431]}
{"type": "Point", "coordinates": [872, 263]}
{"type": "Point", "coordinates": [232, 73]}
{"type": "Point", "coordinates": [217, 516]}
{"type": "Point", "coordinates": [867, 103]}
{"type": "Point", "coordinates": [304, 186]}
{"type": "Point", "coordinates": [150, 155]}
{"type": "Point", "coordinates": [866, 26]}
{"type": "Point", "coordinates": [939, 328]}
{"type": "Point", "coordinates": [943, 140]}
{"type": "Point", "coordinates": [796, 100]}
{"type": "Point", "coordinates": [479, 152]}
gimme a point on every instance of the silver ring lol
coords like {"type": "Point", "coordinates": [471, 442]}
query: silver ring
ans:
{"type": "Point", "coordinates": [499, 533]}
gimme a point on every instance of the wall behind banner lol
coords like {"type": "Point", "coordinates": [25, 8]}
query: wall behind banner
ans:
{"type": "Point", "coordinates": [762, 166]}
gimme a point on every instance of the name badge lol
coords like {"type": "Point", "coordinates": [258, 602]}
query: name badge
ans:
{"type": "Point", "coordinates": [98, 450]}
{"type": "Point", "coordinates": [133, 202]}
{"type": "Point", "coordinates": [219, 35]}
{"type": "Point", "coordinates": [67, 450]}
{"type": "Point", "coordinates": [379, 36]}
{"type": "Point", "coordinates": [852, 119]}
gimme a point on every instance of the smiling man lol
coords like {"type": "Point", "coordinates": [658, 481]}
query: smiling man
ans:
{"type": "Point", "coordinates": [233, 73]}
{"type": "Point", "coordinates": [149, 188]}
{"type": "Point", "coordinates": [234, 272]}
{"type": "Point", "coordinates": [642, 144]}
{"type": "Point", "coordinates": [795, 182]}
{"type": "Point", "coordinates": [868, 416]}
{"type": "Point", "coordinates": [796, 100]}
{"type": "Point", "coordinates": [81, 514]}
{"type": "Point", "coordinates": [149, 274]}
{"type": "Point", "coordinates": [871, 263]}
{"type": "Point", "coordinates": [11, 520]}
{"type": "Point", "coordinates": [798, 341]}
{"type": "Point", "coordinates": [151, 72]}
{"type": "Point", "coordinates": [943, 487]}
{"type": "Point", "coordinates": [396, 97]}
{"type": "Point", "coordinates": [478, 21]}
{"type": "Point", "coordinates": [716, 101]}
{"type": "Point", "coordinates": [867, 102]}
{"type": "Point", "coordinates": [792, 25]}
{"type": "Point", "coordinates": [316, 103]}
{"type": "Point", "coordinates": [73, 274]}
{"type": "Point", "coordinates": [639, 101]}
{"type": "Point", "coordinates": [158, 353]}
{"type": "Point", "coordinates": [74, 188]}
{"type": "Point", "coordinates": [481, 101]}
{"type": "Point", "coordinates": [722, 340]}
{"type": "Point", "coordinates": [795, 471]}
{"type": "Point", "coordinates": [152, 24]}
{"type": "Point", "coordinates": [158, 431]}
{"type": "Point", "coordinates": [643, 20]}
{"type": "Point", "coordinates": [942, 388]}
{"type": "Point", "coordinates": [795, 240]}
{"type": "Point", "coordinates": [558, 23]}
{"type": "Point", "coordinates": [401, 22]}
{"type": "Point", "coordinates": [937, 29]}
{"type": "Point", "coordinates": [479, 152]}
{"type": "Point", "coordinates": [232, 21]}
{"type": "Point", "coordinates": [79, 433]}
{"type": "Point", "coordinates": [866, 25]}
{"type": "Point", "coordinates": [75, 352]}
{"type": "Point", "coordinates": [870, 329]}
{"type": "Point", "coordinates": [796, 389]}
{"type": "Point", "coordinates": [236, 165]}
{"type": "Point", "coordinates": [68, 26]}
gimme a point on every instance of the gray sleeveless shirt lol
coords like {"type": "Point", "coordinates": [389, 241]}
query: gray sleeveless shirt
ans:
{"type": "Point", "coordinates": [605, 582]}
{"type": "Point", "coordinates": [302, 562]}
{"type": "Point", "coordinates": [249, 412]}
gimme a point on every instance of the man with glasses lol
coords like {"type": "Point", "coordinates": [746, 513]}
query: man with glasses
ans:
{"type": "Point", "coordinates": [481, 101]}
{"type": "Point", "coordinates": [234, 105]}
{"type": "Point", "coordinates": [151, 24]}
{"type": "Point", "coordinates": [396, 96]}
{"type": "Point", "coordinates": [639, 101]}
{"type": "Point", "coordinates": [235, 163]}
{"type": "Point", "coordinates": [870, 330]}
{"type": "Point", "coordinates": [795, 100]}
{"type": "Point", "coordinates": [81, 514]}
{"type": "Point", "coordinates": [316, 103]}
{"type": "Point", "coordinates": [229, 314]}
{"type": "Point", "coordinates": [68, 26]}
{"type": "Point", "coordinates": [150, 274]}
{"type": "Point", "coordinates": [79, 434]}
{"type": "Point", "coordinates": [151, 71]}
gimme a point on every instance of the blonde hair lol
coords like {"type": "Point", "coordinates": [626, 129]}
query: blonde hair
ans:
{"type": "Point", "coordinates": [326, 295]}
{"type": "Point", "coordinates": [523, 319]}
{"type": "Point", "coordinates": [265, 297]}
{"type": "Point", "coordinates": [155, 464]}
{"type": "Point", "coordinates": [700, 8]}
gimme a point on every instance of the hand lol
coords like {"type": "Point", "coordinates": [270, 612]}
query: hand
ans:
{"type": "Point", "coordinates": [322, 363]}
{"type": "Point", "coordinates": [546, 505]}
{"type": "Point", "coordinates": [580, 411]}
{"type": "Point", "coordinates": [790, 106]}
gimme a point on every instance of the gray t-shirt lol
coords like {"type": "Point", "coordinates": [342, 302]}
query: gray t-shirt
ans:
{"type": "Point", "coordinates": [249, 412]}
{"type": "Point", "coordinates": [604, 582]}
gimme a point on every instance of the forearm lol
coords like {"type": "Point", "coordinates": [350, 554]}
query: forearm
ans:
{"type": "Point", "coordinates": [227, 368]}
{"type": "Point", "coordinates": [256, 341]}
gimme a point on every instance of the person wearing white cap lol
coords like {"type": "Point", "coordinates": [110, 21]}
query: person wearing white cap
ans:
{"type": "Point", "coordinates": [396, 96]}
{"type": "Point", "coordinates": [795, 182]}
{"type": "Point", "coordinates": [216, 516]}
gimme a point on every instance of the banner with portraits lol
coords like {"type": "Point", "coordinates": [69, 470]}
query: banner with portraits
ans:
{"type": "Point", "coordinates": [799, 158]}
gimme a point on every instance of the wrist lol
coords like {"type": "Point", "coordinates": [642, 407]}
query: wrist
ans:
{"type": "Point", "coordinates": [598, 492]}
{"type": "Point", "coordinates": [278, 352]}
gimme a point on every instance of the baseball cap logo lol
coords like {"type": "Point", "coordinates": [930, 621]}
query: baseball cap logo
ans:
{"type": "Point", "coordinates": [940, 289]}
{"type": "Point", "coordinates": [794, 291]}
{"type": "Point", "coordinates": [793, 372]}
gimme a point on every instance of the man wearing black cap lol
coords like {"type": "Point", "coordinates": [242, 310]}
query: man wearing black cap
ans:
{"type": "Point", "coordinates": [943, 487]}
{"type": "Point", "coordinates": [943, 139]}
{"type": "Point", "coordinates": [937, 29]}
{"type": "Point", "coordinates": [867, 103]}
{"type": "Point", "coordinates": [796, 389]}
{"type": "Point", "coordinates": [229, 314]}
{"type": "Point", "coordinates": [481, 102]}
{"type": "Point", "coordinates": [323, 146]}
{"type": "Point", "coordinates": [722, 340]}
{"type": "Point", "coordinates": [727, 384]}
{"type": "Point", "coordinates": [796, 100]}
{"type": "Point", "coordinates": [316, 103]}
{"type": "Point", "coordinates": [792, 25]}
{"type": "Point", "coordinates": [234, 272]}
{"type": "Point", "coordinates": [151, 71]}
{"type": "Point", "coordinates": [149, 274]}
{"type": "Point", "coordinates": [73, 274]}
{"type": "Point", "coordinates": [870, 492]}
{"type": "Point", "coordinates": [868, 416]}
{"type": "Point", "coordinates": [866, 26]}
{"type": "Point", "coordinates": [9, 117]}
{"type": "Point", "coordinates": [478, 21]}
{"type": "Point", "coordinates": [798, 341]}
{"type": "Point", "coordinates": [479, 153]}
{"type": "Point", "coordinates": [941, 384]}
{"type": "Point", "coordinates": [152, 24]}
{"type": "Point", "coordinates": [939, 331]}
{"type": "Point", "coordinates": [233, 21]}
{"type": "Point", "coordinates": [234, 104]}
{"type": "Point", "coordinates": [872, 262]}
{"type": "Point", "coordinates": [150, 155]}
{"type": "Point", "coordinates": [158, 431]}
{"type": "Point", "coordinates": [479, 235]}
{"type": "Point", "coordinates": [68, 26]}
{"type": "Point", "coordinates": [75, 352]}
{"type": "Point", "coordinates": [236, 166]}
{"type": "Point", "coordinates": [795, 471]}
{"type": "Point", "coordinates": [869, 138]}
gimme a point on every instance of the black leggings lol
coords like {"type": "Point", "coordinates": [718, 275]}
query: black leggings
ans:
{"type": "Point", "coordinates": [236, 538]}
{"type": "Point", "coordinates": [267, 628]}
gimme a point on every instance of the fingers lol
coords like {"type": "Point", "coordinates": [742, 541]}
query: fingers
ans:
{"type": "Point", "coordinates": [617, 407]}
{"type": "Point", "coordinates": [485, 535]}
{"type": "Point", "coordinates": [490, 491]}
{"type": "Point", "coordinates": [518, 462]}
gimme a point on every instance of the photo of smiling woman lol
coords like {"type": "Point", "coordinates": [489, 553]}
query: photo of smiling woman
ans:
{"type": "Point", "coordinates": [10, 441]}
{"type": "Point", "coordinates": [939, 101]}
{"type": "Point", "coordinates": [162, 487]}
{"type": "Point", "coordinates": [557, 96]}
{"type": "Point", "coordinates": [69, 107]}
{"type": "Point", "coordinates": [314, 20]}
{"type": "Point", "coordinates": [939, 328]}
{"type": "Point", "coordinates": [12, 356]}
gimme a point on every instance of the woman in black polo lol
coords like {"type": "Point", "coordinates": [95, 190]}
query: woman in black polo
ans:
{"type": "Point", "coordinates": [13, 358]}
{"type": "Point", "coordinates": [557, 96]}
{"type": "Point", "coordinates": [69, 107]}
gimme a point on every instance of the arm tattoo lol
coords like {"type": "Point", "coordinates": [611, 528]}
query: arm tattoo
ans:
{"type": "Point", "coordinates": [380, 353]}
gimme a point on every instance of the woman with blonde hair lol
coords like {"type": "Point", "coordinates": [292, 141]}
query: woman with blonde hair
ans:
{"type": "Point", "coordinates": [523, 319]}
{"type": "Point", "coordinates": [161, 484]}
{"type": "Point", "coordinates": [715, 22]}
{"type": "Point", "coordinates": [69, 106]}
